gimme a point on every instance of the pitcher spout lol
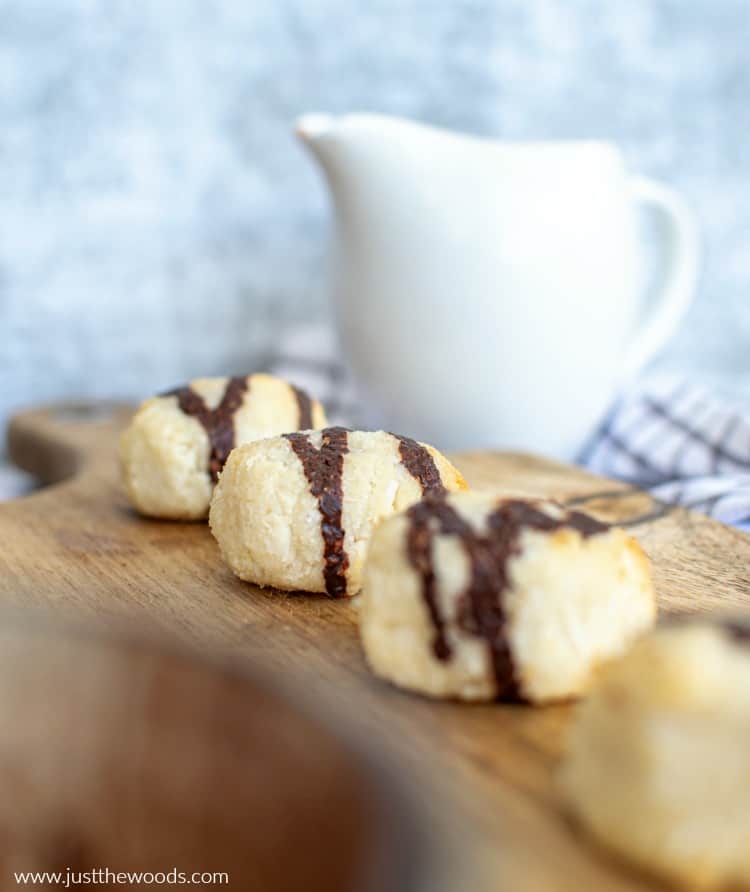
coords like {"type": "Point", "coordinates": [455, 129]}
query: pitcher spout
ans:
{"type": "Point", "coordinates": [314, 126]}
{"type": "Point", "coordinates": [319, 132]}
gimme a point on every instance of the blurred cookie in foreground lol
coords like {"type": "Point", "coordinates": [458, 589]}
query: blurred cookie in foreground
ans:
{"type": "Point", "coordinates": [297, 512]}
{"type": "Point", "coordinates": [177, 443]}
{"type": "Point", "coordinates": [657, 765]}
{"type": "Point", "coordinates": [478, 598]}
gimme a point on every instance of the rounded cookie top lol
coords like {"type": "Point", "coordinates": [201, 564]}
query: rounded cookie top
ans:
{"type": "Point", "coordinates": [490, 532]}
{"type": "Point", "coordinates": [177, 443]}
{"type": "Point", "coordinates": [242, 409]}
{"type": "Point", "coordinates": [656, 761]}
{"type": "Point", "coordinates": [692, 665]}
{"type": "Point", "coordinates": [322, 492]}
{"type": "Point", "coordinates": [509, 598]}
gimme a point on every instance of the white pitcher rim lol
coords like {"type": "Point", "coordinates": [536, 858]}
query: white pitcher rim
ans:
{"type": "Point", "coordinates": [313, 126]}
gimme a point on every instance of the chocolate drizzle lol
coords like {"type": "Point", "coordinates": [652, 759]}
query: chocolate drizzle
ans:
{"type": "Point", "coordinates": [218, 423]}
{"type": "Point", "coordinates": [324, 470]}
{"type": "Point", "coordinates": [421, 465]}
{"type": "Point", "coordinates": [304, 404]}
{"type": "Point", "coordinates": [480, 609]}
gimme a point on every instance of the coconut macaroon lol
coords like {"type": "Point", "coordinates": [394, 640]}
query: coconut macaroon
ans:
{"type": "Point", "coordinates": [177, 443]}
{"type": "Point", "coordinates": [297, 512]}
{"type": "Point", "coordinates": [479, 598]}
{"type": "Point", "coordinates": [657, 763]}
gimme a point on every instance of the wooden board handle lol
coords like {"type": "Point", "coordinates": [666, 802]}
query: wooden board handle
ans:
{"type": "Point", "coordinates": [63, 440]}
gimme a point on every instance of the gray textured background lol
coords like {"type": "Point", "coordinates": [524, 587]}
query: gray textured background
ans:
{"type": "Point", "coordinates": [157, 220]}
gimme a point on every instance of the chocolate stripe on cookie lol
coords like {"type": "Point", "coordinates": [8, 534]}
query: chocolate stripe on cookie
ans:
{"type": "Point", "coordinates": [304, 404]}
{"type": "Point", "coordinates": [425, 519]}
{"type": "Point", "coordinates": [420, 464]}
{"type": "Point", "coordinates": [481, 609]}
{"type": "Point", "coordinates": [324, 470]}
{"type": "Point", "coordinates": [218, 423]}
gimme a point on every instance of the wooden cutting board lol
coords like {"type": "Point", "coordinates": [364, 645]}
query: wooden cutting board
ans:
{"type": "Point", "coordinates": [487, 772]}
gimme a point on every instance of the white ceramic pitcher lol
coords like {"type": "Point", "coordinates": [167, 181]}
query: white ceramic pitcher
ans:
{"type": "Point", "coordinates": [489, 294]}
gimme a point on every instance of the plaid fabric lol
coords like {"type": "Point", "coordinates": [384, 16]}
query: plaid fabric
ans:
{"type": "Point", "coordinates": [685, 445]}
{"type": "Point", "coordinates": [666, 435]}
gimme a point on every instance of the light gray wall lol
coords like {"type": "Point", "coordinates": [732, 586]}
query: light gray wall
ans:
{"type": "Point", "coordinates": [157, 220]}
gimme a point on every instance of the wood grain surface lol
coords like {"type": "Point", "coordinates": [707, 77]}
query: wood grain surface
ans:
{"type": "Point", "coordinates": [485, 773]}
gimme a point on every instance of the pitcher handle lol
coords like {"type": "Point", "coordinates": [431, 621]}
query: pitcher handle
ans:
{"type": "Point", "coordinates": [680, 249]}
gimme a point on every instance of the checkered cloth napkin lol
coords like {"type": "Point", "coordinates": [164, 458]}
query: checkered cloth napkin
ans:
{"type": "Point", "coordinates": [677, 440]}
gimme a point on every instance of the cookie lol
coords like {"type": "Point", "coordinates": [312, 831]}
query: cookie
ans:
{"type": "Point", "coordinates": [657, 763]}
{"type": "Point", "coordinates": [478, 598]}
{"type": "Point", "coordinates": [177, 443]}
{"type": "Point", "coordinates": [297, 512]}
